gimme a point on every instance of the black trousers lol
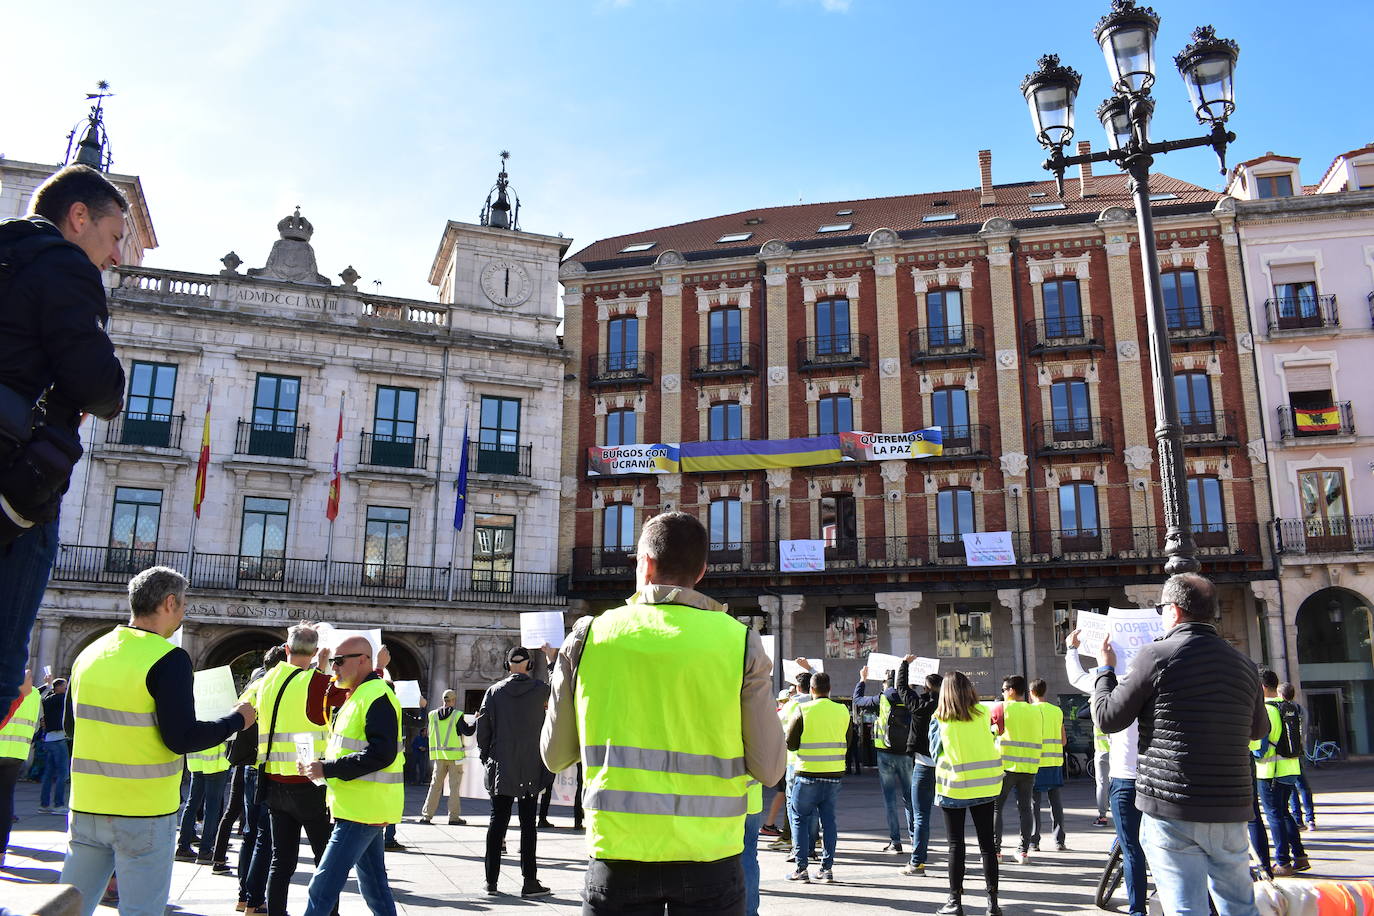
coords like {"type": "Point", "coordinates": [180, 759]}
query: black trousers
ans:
{"type": "Point", "coordinates": [496, 834]}
{"type": "Point", "coordinates": [623, 888]}
{"type": "Point", "coordinates": [9, 776]}
{"type": "Point", "coordinates": [1023, 784]}
{"type": "Point", "coordinates": [954, 833]}
{"type": "Point", "coordinates": [233, 813]}
{"type": "Point", "coordinates": [293, 807]}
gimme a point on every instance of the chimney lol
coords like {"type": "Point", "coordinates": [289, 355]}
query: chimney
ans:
{"type": "Point", "coordinates": [1085, 171]}
{"type": "Point", "coordinates": [987, 198]}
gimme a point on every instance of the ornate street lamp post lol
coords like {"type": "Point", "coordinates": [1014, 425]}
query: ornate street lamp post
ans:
{"type": "Point", "coordinates": [1207, 64]}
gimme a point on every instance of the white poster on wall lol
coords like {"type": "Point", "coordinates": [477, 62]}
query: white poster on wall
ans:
{"type": "Point", "coordinates": [802, 556]}
{"type": "Point", "coordinates": [989, 548]}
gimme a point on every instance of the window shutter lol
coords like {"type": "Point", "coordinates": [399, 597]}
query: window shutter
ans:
{"type": "Point", "coordinates": [1294, 273]}
{"type": "Point", "coordinates": [1308, 378]}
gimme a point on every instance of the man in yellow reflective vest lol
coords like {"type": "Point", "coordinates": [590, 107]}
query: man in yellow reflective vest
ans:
{"type": "Point", "coordinates": [1277, 776]}
{"type": "Point", "coordinates": [133, 718]}
{"type": "Point", "coordinates": [209, 775]}
{"type": "Point", "coordinates": [15, 739]}
{"type": "Point", "coordinates": [1050, 777]}
{"type": "Point", "coordinates": [667, 701]}
{"type": "Point", "coordinates": [364, 770]}
{"type": "Point", "coordinates": [447, 726]}
{"type": "Point", "coordinates": [818, 735]}
{"type": "Point", "coordinates": [1018, 728]}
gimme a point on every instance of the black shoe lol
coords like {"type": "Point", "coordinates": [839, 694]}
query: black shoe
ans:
{"type": "Point", "coordinates": [953, 907]}
{"type": "Point", "coordinates": [533, 888]}
{"type": "Point", "coordinates": [221, 868]}
{"type": "Point", "coordinates": [394, 846]}
{"type": "Point", "coordinates": [492, 891]}
{"type": "Point", "coordinates": [544, 822]}
{"type": "Point", "coordinates": [993, 909]}
{"type": "Point", "coordinates": [185, 854]}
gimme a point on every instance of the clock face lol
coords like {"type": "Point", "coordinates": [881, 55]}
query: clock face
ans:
{"type": "Point", "coordinates": [506, 283]}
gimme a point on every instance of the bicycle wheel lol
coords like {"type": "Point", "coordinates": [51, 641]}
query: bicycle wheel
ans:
{"type": "Point", "coordinates": [1112, 876]}
{"type": "Point", "coordinates": [1075, 769]}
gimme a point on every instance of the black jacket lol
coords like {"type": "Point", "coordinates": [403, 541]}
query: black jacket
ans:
{"type": "Point", "coordinates": [1199, 704]}
{"type": "Point", "coordinates": [52, 320]}
{"type": "Point", "coordinates": [508, 726]}
{"type": "Point", "coordinates": [920, 706]}
{"type": "Point", "coordinates": [898, 721]}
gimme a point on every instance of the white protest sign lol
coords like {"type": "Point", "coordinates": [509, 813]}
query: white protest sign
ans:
{"type": "Point", "coordinates": [305, 751]}
{"type": "Point", "coordinates": [989, 548]}
{"type": "Point", "coordinates": [880, 663]}
{"type": "Point", "coordinates": [408, 694]}
{"type": "Point", "coordinates": [331, 636]}
{"type": "Point", "coordinates": [541, 628]}
{"type": "Point", "coordinates": [791, 669]}
{"type": "Point", "coordinates": [770, 646]}
{"type": "Point", "coordinates": [920, 668]}
{"type": "Point", "coordinates": [1131, 628]}
{"type": "Point", "coordinates": [802, 556]}
{"type": "Point", "coordinates": [565, 786]}
{"type": "Point", "coordinates": [214, 693]}
{"type": "Point", "coordinates": [1093, 628]}
{"type": "Point", "coordinates": [47, 670]}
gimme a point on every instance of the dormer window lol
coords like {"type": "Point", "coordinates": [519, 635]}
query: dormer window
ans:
{"type": "Point", "coordinates": [1274, 186]}
{"type": "Point", "coordinates": [638, 246]}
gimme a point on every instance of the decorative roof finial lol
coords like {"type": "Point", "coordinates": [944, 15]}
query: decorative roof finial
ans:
{"type": "Point", "coordinates": [94, 148]}
{"type": "Point", "coordinates": [501, 213]}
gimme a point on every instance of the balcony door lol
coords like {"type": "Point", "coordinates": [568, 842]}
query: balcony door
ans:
{"type": "Point", "coordinates": [498, 439]}
{"type": "Point", "coordinates": [954, 518]}
{"type": "Point", "coordinates": [134, 527]}
{"type": "Point", "coordinates": [1205, 511]}
{"type": "Point", "coordinates": [1194, 393]}
{"type": "Point", "coordinates": [724, 338]}
{"type": "Point", "coordinates": [833, 336]}
{"type": "Point", "coordinates": [1063, 310]}
{"type": "Point", "coordinates": [839, 527]}
{"type": "Point", "coordinates": [1070, 411]}
{"type": "Point", "coordinates": [622, 345]}
{"type": "Point", "coordinates": [276, 401]}
{"type": "Point", "coordinates": [1079, 531]}
{"type": "Point", "coordinates": [262, 540]}
{"type": "Point", "coordinates": [1182, 303]}
{"type": "Point", "coordinates": [148, 412]}
{"type": "Point", "coordinates": [493, 552]}
{"type": "Point", "coordinates": [1297, 305]}
{"type": "Point", "coordinates": [386, 544]}
{"type": "Point", "coordinates": [945, 317]}
{"type": "Point", "coordinates": [727, 530]}
{"type": "Point", "coordinates": [949, 411]}
{"type": "Point", "coordinates": [393, 427]}
{"type": "Point", "coordinates": [1325, 514]}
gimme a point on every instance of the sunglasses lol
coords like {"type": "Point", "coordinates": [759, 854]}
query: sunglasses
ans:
{"type": "Point", "coordinates": [1159, 609]}
{"type": "Point", "coordinates": [338, 660]}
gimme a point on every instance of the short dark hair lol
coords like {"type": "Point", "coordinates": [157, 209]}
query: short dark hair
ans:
{"type": "Point", "coordinates": [890, 680]}
{"type": "Point", "coordinates": [1287, 691]}
{"type": "Point", "coordinates": [1195, 596]}
{"type": "Point", "coordinates": [933, 682]}
{"type": "Point", "coordinates": [77, 184]}
{"type": "Point", "coordinates": [804, 681]}
{"type": "Point", "coordinates": [1269, 678]}
{"type": "Point", "coordinates": [1038, 687]}
{"type": "Point", "coordinates": [272, 656]}
{"type": "Point", "coordinates": [1015, 682]}
{"type": "Point", "coordinates": [820, 683]}
{"type": "Point", "coordinates": [677, 542]}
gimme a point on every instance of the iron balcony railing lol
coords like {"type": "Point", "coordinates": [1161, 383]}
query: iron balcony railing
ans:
{"type": "Point", "coordinates": [1343, 534]}
{"type": "Point", "coordinates": [1209, 427]}
{"type": "Point", "coordinates": [270, 440]}
{"type": "Point", "coordinates": [960, 341]}
{"type": "Point", "coordinates": [500, 458]}
{"type": "Point", "coordinates": [631, 367]}
{"type": "Point", "coordinates": [295, 576]}
{"type": "Point", "coordinates": [152, 430]}
{"type": "Point", "coordinates": [1300, 313]}
{"type": "Point", "coordinates": [972, 441]}
{"type": "Point", "coordinates": [1194, 324]}
{"type": "Point", "coordinates": [1073, 332]}
{"type": "Point", "coordinates": [1079, 435]}
{"type": "Point", "coordinates": [832, 351]}
{"type": "Point", "coordinates": [1344, 426]}
{"type": "Point", "coordinates": [718, 360]}
{"type": "Point", "coordinates": [394, 451]}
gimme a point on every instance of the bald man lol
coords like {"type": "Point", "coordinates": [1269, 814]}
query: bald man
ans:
{"type": "Point", "coordinates": [447, 726]}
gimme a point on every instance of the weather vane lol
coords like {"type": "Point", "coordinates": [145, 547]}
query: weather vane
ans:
{"type": "Point", "coordinates": [94, 148]}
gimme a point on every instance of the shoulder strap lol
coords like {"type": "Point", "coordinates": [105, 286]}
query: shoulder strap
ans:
{"type": "Point", "coordinates": [272, 731]}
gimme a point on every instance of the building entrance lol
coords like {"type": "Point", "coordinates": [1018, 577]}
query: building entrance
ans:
{"type": "Point", "coordinates": [1336, 660]}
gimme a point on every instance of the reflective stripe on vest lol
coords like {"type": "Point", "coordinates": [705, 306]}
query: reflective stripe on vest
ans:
{"type": "Point", "coordinates": [886, 709]}
{"type": "Point", "coordinates": [292, 719]}
{"type": "Point", "coordinates": [1271, 765]}
{"type": "Point", "coordinates": [444, 741]}
{"type": "Point", "coordinates": [969, 765]}
{"type": "Point", "coordinates": [120, 765]}
{"type": "Point", "coordinates": [17, 734]}
{"type": "Point", "coordinates": [662, 739]}
{"type": "Point", "coordinates": [790, 710]}
{"type": "Point", "coordinates": [825, 724]}
{"type": "Point", "coordinates": [378, 797]}
{"type": "Point", "coordinates": [1019, 743]}
{"type": "Point", "coordinates": [1052, 740]}
{"type": "Point", "coordinates": [214, 760]}
{"type": "Point", "coordinates": [1101, 743]}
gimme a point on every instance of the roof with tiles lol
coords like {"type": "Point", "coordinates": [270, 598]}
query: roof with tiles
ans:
{"type": "Point", "coordinates": [1027, 204]}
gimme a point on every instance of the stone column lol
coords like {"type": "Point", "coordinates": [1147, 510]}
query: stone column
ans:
{"type": "Point", "coordinates": [998, 234]}
{"type": "Point", "coordinates": [883, 244]}
{"type": "Point", "coordinates": [899, 606]}
{"type": "Point", "coordinates": [1267, 591]}
{"type": "Point", "coordinates": [1022, 604]}
{"type": "Point", "coordinates": [785, 608]}
{"type": "Point", "coordinates": [49, 631]}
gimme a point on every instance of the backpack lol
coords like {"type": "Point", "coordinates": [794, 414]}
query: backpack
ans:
{"type": "Point", "coordinates": [1290, 735]}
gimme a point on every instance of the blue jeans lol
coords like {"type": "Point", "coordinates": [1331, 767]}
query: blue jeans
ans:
{"type": "Point", "coordinates": [351, 844]}
{"type": "Point", "coordinates": [1126, 819]}
{"type": "Point", "coordinates": [24, 569]}
{"type": "Point", "coordinates": [791, 812]}
{"type": "Point", "coordinates": [750, 860]}
{"type": "Point", "coordinates": [1188, 859]}
{"type": "Point", "coordinates": [922, 803]}
{"type": "Point", "coordinates": [1302, 798]}
{"type": "Point", "coordinates": [207, 789]}
{"type": "Point", "coordinates": [815, 797]}
{"type": "Point", "coordinates": [139, 848]}
{"type": "Point", "coordinates": [1274, 798]}
{"type": "Point", "coordinates": [56, 763]}
{"type": "Point", "coordinates": [255, 854]}
{"type": "Point", "coordinates": [894, 775]}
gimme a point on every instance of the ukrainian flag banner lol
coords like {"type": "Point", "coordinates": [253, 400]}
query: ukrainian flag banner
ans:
{"type": "Point", "coordinates": [658, 458]}
{"type": "Point", "coordinates": [760, 454]}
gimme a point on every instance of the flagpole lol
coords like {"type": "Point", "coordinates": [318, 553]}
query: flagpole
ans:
{"type": "Point", "coordinates": [453, 544]}
{"type": "Point", "coordinates": [329, 544]}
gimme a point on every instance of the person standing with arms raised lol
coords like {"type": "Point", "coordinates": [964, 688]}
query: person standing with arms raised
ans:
{"type": "Point", "coordinates": [667, 701]}
{"type": "Point", "coordinates": [968, 778]}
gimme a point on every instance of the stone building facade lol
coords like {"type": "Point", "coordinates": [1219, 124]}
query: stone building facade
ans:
{"type": "Point", "coordinates": [1309, 268]}
{"type": "Point", "coordinates": [1007, 316]}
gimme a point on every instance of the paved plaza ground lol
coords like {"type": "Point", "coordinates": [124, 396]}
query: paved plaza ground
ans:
{"type": "Point", "coordinates": [442, 870]}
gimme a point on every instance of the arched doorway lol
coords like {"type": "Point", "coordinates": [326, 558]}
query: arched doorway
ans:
{"type": "Point", "coordinates": [405, 664]}
{"type": "Point", "coordinates": [242, 652]}
{"type": "Point", "coordinates": [1337, 665]}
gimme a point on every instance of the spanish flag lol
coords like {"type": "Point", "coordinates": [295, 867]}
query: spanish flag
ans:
{"type": "Point", "coordinates": [1321, 420]}
{"type": "Point", "coordinates": [331, 509]}
{"type": "Point", "coordinates": [203, 466]}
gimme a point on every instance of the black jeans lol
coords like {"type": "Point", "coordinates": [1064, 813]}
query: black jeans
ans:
{"type": "Point", "coordinates": [622, 888]}
{"type": "Point", "coordinates": [9, 776]}
{"type": "Point", "coordinates": [954, 832]}
{"type": "Point", "coordinates": [233, 812]}
{"type": "Point", "coordinates": [293, 806]}
{"type": "Point", "coordinates": [496, 834]}
{"type": "Point", "coordinates": [1024, 786]}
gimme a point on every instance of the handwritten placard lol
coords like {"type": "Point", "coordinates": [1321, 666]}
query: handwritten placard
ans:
{"type": "Point", "coordinates": [541, 628]}
{"type": "Point", "coordinates": [920, 668]}
{"type": "Point", "coordinates": [880, 663]}
{"type": "Point", "coordinates": [214, 693]}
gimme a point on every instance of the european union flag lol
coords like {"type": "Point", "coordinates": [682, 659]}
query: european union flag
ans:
{"type": "Point", "coordinates": [460, 504]}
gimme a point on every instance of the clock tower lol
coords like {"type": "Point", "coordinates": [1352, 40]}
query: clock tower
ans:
{"type": "Point", "coordinates": [495, 267]}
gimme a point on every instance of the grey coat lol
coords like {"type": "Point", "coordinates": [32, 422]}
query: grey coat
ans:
{"type": "Point", "coordinates": [508, 727]}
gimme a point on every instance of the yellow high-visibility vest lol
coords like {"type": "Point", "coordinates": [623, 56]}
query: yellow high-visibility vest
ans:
{"type": "Point", "coordinates": [444, 741]}
{"type": "Point", "coordinates": [1271, 765]}
{"type": "Point", "coordinates": [376, 798]}
{"type": "Point", "coordinates": [1052, 742]}
{"type": "Point", "coordinates": [17, 734]}
{"type": "Point", "coordinates": [662, 752]}
{"type": "Point", "coordinates": [209, 761]}
{"type": "Point", "coordinates": [885, 708]}
{"type": "Point", "coordinates": [969, 765]}
{"type": "Point", "coordinates": [1019, 743]}
{"type": "Point", "coordinates": [120, 765]}
{"type": "Point", "coordinates": [292, 718]}
{"type": "Point", "coordinates": [825, 724]}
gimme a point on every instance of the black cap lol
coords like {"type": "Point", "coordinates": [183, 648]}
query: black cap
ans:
{"type": "Point", "coordinates": [518, 654]}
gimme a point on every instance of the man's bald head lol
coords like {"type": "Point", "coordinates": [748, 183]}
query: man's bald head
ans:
{"type": "Point", "coordinates": [352, 661]}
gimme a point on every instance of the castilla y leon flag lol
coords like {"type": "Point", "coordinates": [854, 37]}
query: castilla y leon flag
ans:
{"type": "Point", "coordinates": [203, 466]}
{"type": "Point", "coordinates": [332, 509]}
{"type": "Point", "coordinates": [1320, 420]}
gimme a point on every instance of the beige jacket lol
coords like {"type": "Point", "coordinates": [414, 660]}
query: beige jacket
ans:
{"type": "Point", "coordinates": [765, 755]}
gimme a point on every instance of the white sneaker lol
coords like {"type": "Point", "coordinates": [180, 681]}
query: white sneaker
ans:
{"type": "Point", "coordinates": [799, 875]}
{"type": "Point", "coordinates": [45, 809]}
{"type": "Point", "coordinates": [1022, 858]}
{"type": "Point", "coordinates": [825, 876]}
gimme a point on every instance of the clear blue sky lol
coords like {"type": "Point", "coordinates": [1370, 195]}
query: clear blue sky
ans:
{"type": "Point", "coordinates": [384, 120]}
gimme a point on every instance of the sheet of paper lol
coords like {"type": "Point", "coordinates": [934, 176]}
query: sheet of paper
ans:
{"type": "Point", "coordinates": [565, 786]}
{"type": "Point", "coordinates": [305, 752]}
{"type": "Point", "coordinates": [408, 694]}
{"type": "Point", "coordinates": [880, 663]}
{"type": "Point", "coordinates": [47, 670]}
{"type": "Point", "coordinates": [541, 628]}
{"type": "Point", "coordinates": [920, 667]}
{"type": "Point", "coordinates": [331, 636]}
{"type": "Point", "coordinates": [1092, 628]}
{"type": "Point", "coordinates": [214, 693]}
{"type": "Point", "coordinates": [1131, 629]}
{"type": "Point", "coordinates": [770, 646]}
{"type": "Point", "coordinates": [791, 669]}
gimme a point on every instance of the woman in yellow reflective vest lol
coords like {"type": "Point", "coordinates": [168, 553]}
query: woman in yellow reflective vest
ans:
{"type": "Point", "coordinates": [968, 777]}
